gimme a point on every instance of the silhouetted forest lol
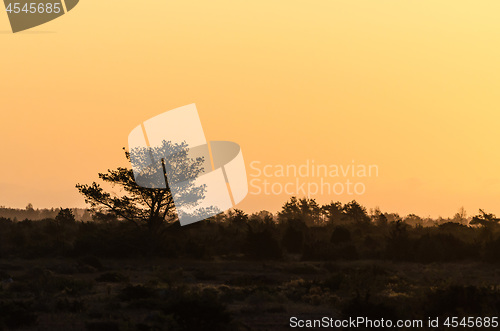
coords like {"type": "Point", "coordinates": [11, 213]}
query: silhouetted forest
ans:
{"type": "Point", "coordinates": [236, 271]}
{"type": "Point", "coordinates": [32, 214]}
{"type": "Point", "coordinates": [302, 230]}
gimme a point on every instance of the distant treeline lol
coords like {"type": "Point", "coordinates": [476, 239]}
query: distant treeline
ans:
{"type": "Point", "coordinates": [301, 230]}
{"type": "Point", "coordinates": [81, 214]}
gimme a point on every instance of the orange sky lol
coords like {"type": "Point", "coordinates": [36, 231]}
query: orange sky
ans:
{"type": "Point", "coordinates": [411, 86]}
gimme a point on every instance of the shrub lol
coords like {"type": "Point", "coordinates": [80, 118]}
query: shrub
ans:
{"type": "Point", "coordinates": [261, 245]}
{"type": "Point", "coordinates": [459, 300]}
{"type": "Point", "coordinates": [102, 326]}
{"type": "Point", "coordinates": [199, 311]}
{"type": "Point", "coordinates": [293, 239]}
{"type": "Point", "coordinates": [340, 235]}
{"type": "Point", "coordinates": [17, 314]}
{"type": "Point", "coordinates": [137, 292]}
{"type": "Point", "coordinates": [112, 277]}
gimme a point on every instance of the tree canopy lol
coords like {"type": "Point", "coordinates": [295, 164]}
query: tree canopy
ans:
{"type": "Point", "coordinates": [151, 206]}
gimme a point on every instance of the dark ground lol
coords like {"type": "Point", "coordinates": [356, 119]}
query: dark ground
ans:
{"type": "Point", "coordinates": [158, 294]}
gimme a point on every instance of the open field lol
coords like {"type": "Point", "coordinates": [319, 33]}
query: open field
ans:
{"type": "Point", "coordinates": [158, 294]}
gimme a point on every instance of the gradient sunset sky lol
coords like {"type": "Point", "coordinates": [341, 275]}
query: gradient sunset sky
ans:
{"type": "Point", "coordinates": [411, 86]}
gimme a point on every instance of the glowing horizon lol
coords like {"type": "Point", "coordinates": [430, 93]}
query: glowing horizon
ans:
{"type": "Point", "coordinates": [410, 87]}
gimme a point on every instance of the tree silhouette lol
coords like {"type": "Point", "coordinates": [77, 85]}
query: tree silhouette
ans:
{"type": "Point", "coordinates": [379, 218]}
{"type": "Point", "coordinates": [152, 203]}
{"type": "Point", "coordinates": [333, 212]}
{"type": "Point", "coordinates": [305, 209]}
{"type": "Point", "coordinates": [355, 212]}
{"type": "Point", "coordinates": [484, 219]}
{"type": "Point", "coordinates": [65, 216]}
